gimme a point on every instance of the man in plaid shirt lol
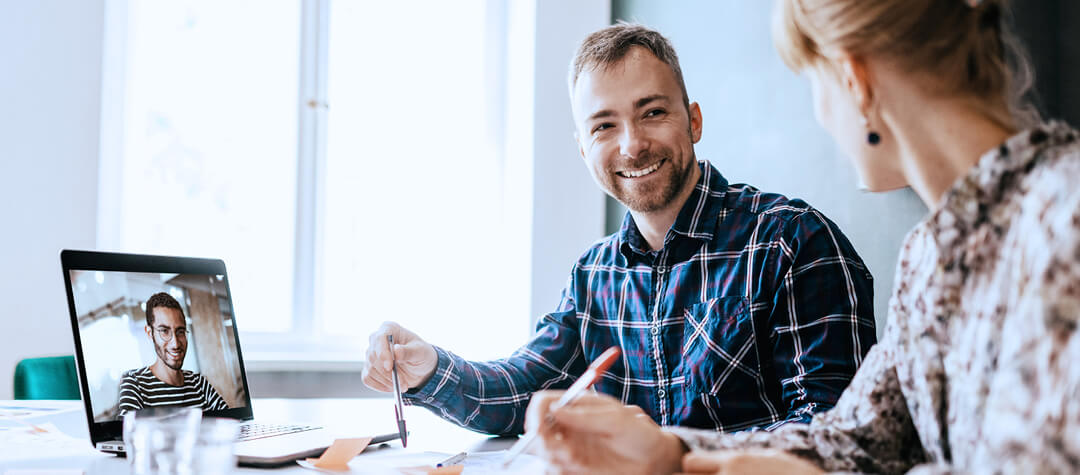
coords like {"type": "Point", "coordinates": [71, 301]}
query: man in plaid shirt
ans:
{"type": "Point", "coordinates": [734, 308]}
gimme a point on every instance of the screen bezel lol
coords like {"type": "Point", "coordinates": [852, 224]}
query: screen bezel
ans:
{"type": "Point", "coordinates": [143, 263]}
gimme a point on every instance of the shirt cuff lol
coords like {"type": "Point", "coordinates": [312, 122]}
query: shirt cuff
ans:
{"type": "Point", "coordinates": [437, 388]}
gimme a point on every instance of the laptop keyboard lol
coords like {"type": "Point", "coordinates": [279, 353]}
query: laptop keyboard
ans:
{"type": "Point", "coordinates": [261, 431]}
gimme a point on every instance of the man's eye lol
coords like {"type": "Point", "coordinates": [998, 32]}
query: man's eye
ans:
{"type": "Point", "coordinates": [602, 127]}
{"type": "Point", "coordinates": [654, 113]}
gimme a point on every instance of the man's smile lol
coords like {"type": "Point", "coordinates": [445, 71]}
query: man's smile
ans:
{"type": "Point", "coordinates": [641, 171]}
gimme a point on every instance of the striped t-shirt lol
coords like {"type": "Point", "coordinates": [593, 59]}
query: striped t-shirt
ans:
{"type": "Point", "coordinates": [139, 388]}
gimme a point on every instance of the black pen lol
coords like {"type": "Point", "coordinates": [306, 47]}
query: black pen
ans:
{"type": "Point", "coordinates": [399, 406]}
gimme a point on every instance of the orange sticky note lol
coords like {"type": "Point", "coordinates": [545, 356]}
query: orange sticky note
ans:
{"type": "Point", "coordinates": [338, 455]}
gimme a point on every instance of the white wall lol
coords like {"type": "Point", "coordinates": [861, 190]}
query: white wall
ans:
{"type": "Point", "coordinates": [50, 55]}
{"type": "Point", "coordinates": [568, 206]}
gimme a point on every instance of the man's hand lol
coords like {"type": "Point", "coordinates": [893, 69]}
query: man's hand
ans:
{"type": "Point", "coordinates": [416, 359]}
{"type": "Point", "coordinates": [598, 434]}
{"type": "Point", "coordinates": [756, 461]}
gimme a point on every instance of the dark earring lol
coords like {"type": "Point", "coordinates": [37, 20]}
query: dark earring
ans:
{"type": "Point", "coordinates": [872, 138]}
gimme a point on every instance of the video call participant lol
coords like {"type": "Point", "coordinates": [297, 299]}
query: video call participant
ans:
{"type": "Point", "coordinates": [734, 308]}
{"type": "Point", "coordinates": [164, 383]}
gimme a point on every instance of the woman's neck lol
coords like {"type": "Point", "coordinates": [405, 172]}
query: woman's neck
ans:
{"type": "Point", "coordinates": [940, 146]}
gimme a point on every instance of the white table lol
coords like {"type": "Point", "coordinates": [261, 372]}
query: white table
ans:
{"type": "Point", "coordinates": [347, 417]}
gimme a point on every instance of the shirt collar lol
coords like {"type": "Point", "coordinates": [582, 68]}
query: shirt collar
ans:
{"type": "Point", "coordinates": [697, 219]}
{"type": "Point", "coordinates": [966, 204]}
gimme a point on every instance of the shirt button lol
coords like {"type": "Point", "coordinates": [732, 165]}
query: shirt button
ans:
{"type": "Point", "coordinates": [661, 393]}
{"type": "Point", "coordinates": [654, 330]}
{"type": "Point", "coordinates": [661, 269]}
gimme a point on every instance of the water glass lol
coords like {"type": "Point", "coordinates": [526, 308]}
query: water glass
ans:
{"type": "Point", "coordinates": [214, 446]}
{"type": "Point", "coordinates": [161, 441]}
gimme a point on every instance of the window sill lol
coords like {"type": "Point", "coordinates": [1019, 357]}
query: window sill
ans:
{"type": "Point", "coordinates": [261, 362]}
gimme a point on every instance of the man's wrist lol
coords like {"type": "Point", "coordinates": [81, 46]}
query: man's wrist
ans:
{"type": "Point", "coordinates": [431, 372]}
{"type": "Point", "coordinates": [426, 390]}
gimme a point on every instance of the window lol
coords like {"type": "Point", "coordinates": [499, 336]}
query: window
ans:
{"type": "Point", "coordinates": [346, 160]}
{"type": "Point", "coordinates": [209, 139]}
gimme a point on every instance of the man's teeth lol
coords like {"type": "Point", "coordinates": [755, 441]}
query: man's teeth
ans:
{"type": "Point", "coordinates": [642, 172]}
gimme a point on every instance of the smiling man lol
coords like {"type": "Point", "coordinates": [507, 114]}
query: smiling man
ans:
{"type": "Point", "coordinates": [165, 383]}
{"type": "Point", "coordinates": [734, 308]}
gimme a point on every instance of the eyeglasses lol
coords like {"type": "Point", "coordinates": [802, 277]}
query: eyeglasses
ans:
{"type": "Point", "coordinates": [166, 333]}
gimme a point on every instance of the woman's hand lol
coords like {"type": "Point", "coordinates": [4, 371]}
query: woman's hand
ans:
{"type": "Point", "coordinates": [598, 434]}
{"type": "Point", "coordinates": [756, 461]}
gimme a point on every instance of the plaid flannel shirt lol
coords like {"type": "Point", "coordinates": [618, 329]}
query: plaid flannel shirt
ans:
{"type": "Point", "coordinates": [756, 312]}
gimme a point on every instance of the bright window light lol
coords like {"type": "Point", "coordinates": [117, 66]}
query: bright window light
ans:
{"type": "Point", "coordinates": [209, 143]}
{"type": "Point", "coordinates": [413, 200]}
{"type": "Point", "coordinates": [405, 216]}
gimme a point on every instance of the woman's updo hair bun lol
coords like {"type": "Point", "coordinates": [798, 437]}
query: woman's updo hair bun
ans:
{"type": "Point", "coordinates": [957, 47]}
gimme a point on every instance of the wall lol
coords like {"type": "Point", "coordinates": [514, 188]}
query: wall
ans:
{"type": "Point", "coordinates": [568, 206]}
{"type": "Point", "coordinates": [759, 125]}
{"type": "Point", "coordinates": [50, 96]}
{"type": "Point", "coordinates": [1055, 53]}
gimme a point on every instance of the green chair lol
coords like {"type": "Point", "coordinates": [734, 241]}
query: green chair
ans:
{"type": "Point", "coordinates": [46, 378]}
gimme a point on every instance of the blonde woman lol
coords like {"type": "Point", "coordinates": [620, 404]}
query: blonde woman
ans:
{"type": "Point", "coordinates": [979, 368]}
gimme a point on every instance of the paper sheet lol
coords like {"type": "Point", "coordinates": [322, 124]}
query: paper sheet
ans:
{"type": "Point", "coordinates": [399, 462]}
{"type": "Point", "coordinates": [22, 443]}
{"type": "Point", "coordinates": [20, 410]}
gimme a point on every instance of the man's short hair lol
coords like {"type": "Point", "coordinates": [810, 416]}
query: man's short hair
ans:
{"type": "Point", "coordinates": [606, 47]}
{"type": "Point", "coordinates": [161, 299]}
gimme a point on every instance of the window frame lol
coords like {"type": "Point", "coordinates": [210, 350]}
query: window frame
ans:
{"type": "Point", "coordinates": [539, 36]}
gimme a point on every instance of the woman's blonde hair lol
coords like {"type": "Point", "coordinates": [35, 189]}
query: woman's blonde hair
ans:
{"type": "Point", "coordinates": [959, 49]}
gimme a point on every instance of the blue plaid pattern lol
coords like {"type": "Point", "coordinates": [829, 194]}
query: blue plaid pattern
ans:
{"type": "Point", "coordinates": [756, 312]}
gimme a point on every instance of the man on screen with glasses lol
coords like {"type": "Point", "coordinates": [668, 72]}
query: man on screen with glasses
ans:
{"type": "Point", "coordinates": [164, 383]}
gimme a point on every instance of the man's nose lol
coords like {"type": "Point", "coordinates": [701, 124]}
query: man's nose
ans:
{"type": "Point", "coordinates": [632, 141]}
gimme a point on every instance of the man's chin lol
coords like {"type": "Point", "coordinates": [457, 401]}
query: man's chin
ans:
{"type": "Point", "coordinates": [176, 366]}
{"type": "Point", "coordinates": [650, 202]}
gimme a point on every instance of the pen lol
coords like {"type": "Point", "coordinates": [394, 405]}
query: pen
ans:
{"type": "Point", "coordinates": [399, 409]}
{"type": "Point", "coordinates": [452, 460]}
{"type": "Point", "coordinates": [591, 375]}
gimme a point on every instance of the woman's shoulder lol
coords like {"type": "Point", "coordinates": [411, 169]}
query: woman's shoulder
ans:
{"type": "Point", "coordinates": [1048, 192]}
{"type": "Point", "coordinates": [1046, 226]}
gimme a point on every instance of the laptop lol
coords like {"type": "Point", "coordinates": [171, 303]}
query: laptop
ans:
{"type": "Point", "coordinates": [184, 352]}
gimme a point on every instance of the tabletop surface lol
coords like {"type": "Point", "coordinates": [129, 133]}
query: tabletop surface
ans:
{"type": "Point", "coordinates": [345, 417]}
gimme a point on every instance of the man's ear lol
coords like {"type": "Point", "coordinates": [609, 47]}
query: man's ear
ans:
{"type": "Point", "coordinates": [856, 80]}
{"type": "Point", "coordinates": [149, 332]}
{"type": "Point", "coordinates": [695, 122]}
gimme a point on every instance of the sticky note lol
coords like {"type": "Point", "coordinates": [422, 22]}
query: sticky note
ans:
{"type": "Point", "coordinates": [338, 455]}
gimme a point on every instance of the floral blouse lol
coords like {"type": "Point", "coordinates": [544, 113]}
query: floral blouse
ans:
{"type": "Point", "coordinates": [979, 367]}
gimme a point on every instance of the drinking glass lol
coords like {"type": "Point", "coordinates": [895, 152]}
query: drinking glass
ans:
{"type": "Point", "coordinates": [161, 440]}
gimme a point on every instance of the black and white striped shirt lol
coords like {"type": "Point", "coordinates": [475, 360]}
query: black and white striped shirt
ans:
{"type": "Point", "coordinates": [139, 388]}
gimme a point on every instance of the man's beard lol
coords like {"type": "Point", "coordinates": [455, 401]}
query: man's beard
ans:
{"type": "Point", "coordinates": [646, 200]}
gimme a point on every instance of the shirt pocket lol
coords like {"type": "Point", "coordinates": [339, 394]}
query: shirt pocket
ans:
{"type": "Point", "coordinates": [719, 355]}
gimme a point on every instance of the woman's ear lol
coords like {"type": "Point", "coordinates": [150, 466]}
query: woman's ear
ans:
{"type": "Point", "coordinates": [855, 78]}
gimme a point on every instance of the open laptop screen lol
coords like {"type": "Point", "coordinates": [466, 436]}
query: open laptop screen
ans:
{"type": "Point", "coordinates": [156, 338]}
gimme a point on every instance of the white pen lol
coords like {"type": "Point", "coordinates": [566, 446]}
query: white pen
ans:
{"type": "Point", "coordinates": [591, 375]}
{"type": "Point", "coordinates": [452, 460]}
